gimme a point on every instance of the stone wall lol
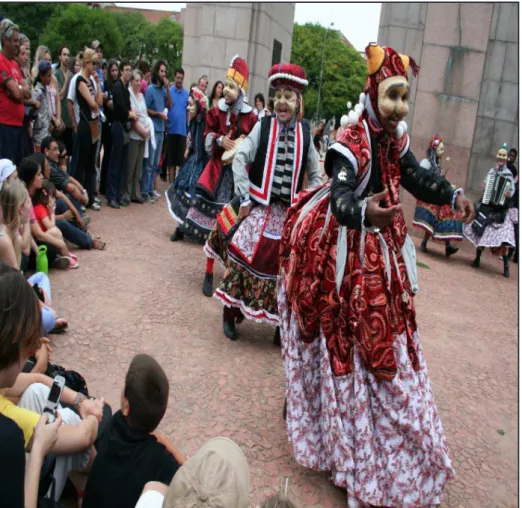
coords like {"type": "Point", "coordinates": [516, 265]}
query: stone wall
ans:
{"type": "Point", "coordinates": [467, 88]}
{"type": "Point", "coordinates": [215, 32]}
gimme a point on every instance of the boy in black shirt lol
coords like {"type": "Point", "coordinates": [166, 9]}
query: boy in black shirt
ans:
{"type": "Point", "coordinates": [129, 456]}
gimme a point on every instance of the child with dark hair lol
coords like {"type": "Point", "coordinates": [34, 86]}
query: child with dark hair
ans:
{"type": "Point", "coordinates": [42, 123]}
{"type": "Point", "coordinates": [130, 455]}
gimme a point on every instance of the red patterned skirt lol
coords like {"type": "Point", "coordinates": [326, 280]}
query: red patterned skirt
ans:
{"type": "Point", "coordinates": [250, 280]}
{"type": "Point", "coordinates": [360, 403]}
{"type": "Point", "coordinates": [440, 222]}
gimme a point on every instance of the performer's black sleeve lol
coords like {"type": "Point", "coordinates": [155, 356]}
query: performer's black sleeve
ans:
{"type": "Point", "coordinates": [346, 207]}
{"type": "Point", "coordinates": [424, 184]}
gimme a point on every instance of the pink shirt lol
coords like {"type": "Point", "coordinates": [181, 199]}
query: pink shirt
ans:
{"type": "Point", "coordinates": [143, 87]}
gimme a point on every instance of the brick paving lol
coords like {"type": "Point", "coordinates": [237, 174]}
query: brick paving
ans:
{"type": "Point", "coordinates": [143, 295]}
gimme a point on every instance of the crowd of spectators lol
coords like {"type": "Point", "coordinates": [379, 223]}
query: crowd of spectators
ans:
{"type": "Point", "coordinates": [70, 132]}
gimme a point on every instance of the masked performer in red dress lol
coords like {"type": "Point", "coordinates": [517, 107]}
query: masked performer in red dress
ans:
{"type": "Point", "coordinates": [359, 401]}
{"type": "Point", "coordinates": [227, 123]}
{"type": "Point", "coordinates": [280, 154]}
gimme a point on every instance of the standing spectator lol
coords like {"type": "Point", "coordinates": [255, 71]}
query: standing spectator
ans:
{"type": "Point", "coordinates": [31, 105]}
{"type": "Point", "coordinates": [270, 106]}
{"type": "Point", "coordinates": [144, 68]}
{"type": "Point", "coordinates": [512, 157]}
{"type": "Point", "coordinates": [217, 93]}
{"type": "Point", "coordinates": [113, 74]}
{"type": "Point", "coordinates": [158, 98]}
{"type": "Point", "coordinates": [260, 109]}
{"type": "Point", "coordinates": [42, 123]}
{"type": "Point", "coordinates": [96, 45]}
{"type": "Point", "coordinates": [318, 136]}
{"type": "Point", "coordinates": [13, 92]}
{"type": "Point", "coordinates": [120, 135]}
{"type": "Point", "coordinates": [177, 122]}
{"type": "Point", "coordinates": [104, 68]}
{"type": "Point", "coordinates": [76, 65]}
{"type": "Point", "coordinates": [89, 101]}
{"type": "Point", "coordinates": [63, 76]}
{"type": "Point", "coordinates": [138, 137]}
{"type": "Point", "coordinates": [57, 126]}
{"type": "Point", "coordinates": [203, 83]}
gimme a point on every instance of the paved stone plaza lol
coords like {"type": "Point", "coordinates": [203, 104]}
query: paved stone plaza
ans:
{"type": "Point", "coordinates": [143, 295]}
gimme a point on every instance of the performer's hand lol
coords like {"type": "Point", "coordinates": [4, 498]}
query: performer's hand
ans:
{"type": "Point", "coordinates": [227, 143]}
{"type": "Point", "coordinates": [483, 185]}
{"type": "Point", "coordinates": [378, 216]}
{"type": "Point", "coordinates": [465, 206]}
{"type": "Point", "coordinates": [244, 211]}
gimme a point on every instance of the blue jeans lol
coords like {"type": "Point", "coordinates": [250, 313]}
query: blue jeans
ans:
{"type": "Point", "coordinates": [117, 164]}
{"type": "Point", "coordinates": [151, 165]}
{"type": "Point", "coordinates": [61, 206]}
{"type": "Point", "coordinates": [74, 234]}
{"type": "Point", "coordinates": [48, 318]}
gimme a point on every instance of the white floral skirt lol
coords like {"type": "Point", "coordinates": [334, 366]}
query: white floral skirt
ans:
{"type": "Point", "coordinates": [382, 440]}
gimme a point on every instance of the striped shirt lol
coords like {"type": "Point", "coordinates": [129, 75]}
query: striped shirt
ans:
{"type": "Point", "coordinates": [282, 185]}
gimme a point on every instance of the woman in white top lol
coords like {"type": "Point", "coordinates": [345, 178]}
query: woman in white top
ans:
{"type": "Point", "coordinates": [138, 137]}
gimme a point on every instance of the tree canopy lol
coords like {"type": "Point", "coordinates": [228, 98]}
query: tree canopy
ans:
{"type": "Point", "coordinates": [344, 71]}
{"type": "Point", "coordinates": [122, 34]}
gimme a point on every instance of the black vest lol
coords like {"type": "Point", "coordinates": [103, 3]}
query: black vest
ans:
{"type": "Point", "coordinates": [257, 169]}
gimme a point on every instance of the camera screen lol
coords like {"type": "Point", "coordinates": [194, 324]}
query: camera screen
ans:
{"type": "Point", "coordinates": [54, 393]}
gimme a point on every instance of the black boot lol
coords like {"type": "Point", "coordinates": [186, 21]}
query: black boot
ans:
{"type": "Point", "coordinates": [284, 410]}
{"type": "Point", "coordinates": [515, 256]}
{"type": "Point", "coordinates": [277, 337]}
{"type": "Point", "coordinates": [229, 329]}
{"type": "Point", "coordinates": [476, 261]}
{"type": "Point", "coordinates": [506, 266]}
{"type": "Point", "coordinates": [424, 245]}
{"type": "Point", "coordinates": [177, 235]}
{"type": "Point", "coordinates": [207, 284]}
{"type": "Point", "coordinates": [450, 250]}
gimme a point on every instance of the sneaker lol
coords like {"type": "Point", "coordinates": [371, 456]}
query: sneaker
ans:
{"type": "Point", "coordinates": [95, 206]}
{"type": "Point", "coordinates": [153, 197]}
{"type": "Point", "coordinates": [157, 194]}
{"type": "Point", "coordinates": [61, 262]}
{"type": "Point", "coordinates": [124, 202]}
{"type": "Point", "coordinates": [74, 262]}
{"type": "Point", "coordinates": [86, 220]}
{"type": "Point", "coordinates": [146, 198]}
{"type": "Point", "coordinates": [83, 209]}
{"type": "Point", "coordinates": [97, 200]}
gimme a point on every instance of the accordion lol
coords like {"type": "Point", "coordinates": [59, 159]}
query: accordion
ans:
{"type": "Point", "coordinates": [495, 190]}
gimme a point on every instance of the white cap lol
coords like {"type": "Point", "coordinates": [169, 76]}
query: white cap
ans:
{"type": "Point", "coordinates": [7, 168]}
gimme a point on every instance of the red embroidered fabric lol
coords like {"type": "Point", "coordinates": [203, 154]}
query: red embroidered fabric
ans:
{"type": "Point", "coordinates": [364, 311]}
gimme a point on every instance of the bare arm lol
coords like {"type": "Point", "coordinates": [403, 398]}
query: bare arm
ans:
{"type": "Point", "coordinates": [26, 239]}
{"type": "Point", "coordinates": [70, 108]}
{"type": "Point", "coordinates": [7, 252]}
{"type": "Point", "coordinates": [15, 92]}
{"type": "Point", "coordinates": [69, 204]}
{"type": "Point", "coordinates": [42, 236]}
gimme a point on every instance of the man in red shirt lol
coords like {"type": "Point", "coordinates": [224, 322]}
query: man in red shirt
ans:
{"type": "Point", "coordinates": [12, 94]}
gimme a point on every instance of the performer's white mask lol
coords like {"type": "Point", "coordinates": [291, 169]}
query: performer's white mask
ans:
{"type": "Point", "coordinates": [440, 150]}
{"type": "Point", "coordinates": [191, 107]}
{"type": "Point", "coordinates": [392, 100]}
{"type": "Point", "coordinates": [285, 104]}
{"type": "Point", "coordinates": [502, 157]}
{"type": "Point", "coordinates": [231, 91]}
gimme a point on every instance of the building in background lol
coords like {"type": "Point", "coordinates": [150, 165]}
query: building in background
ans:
{"type": "Point", "coordinates": [467, 90]}
{"type": "Point", "coordinates": [154, 16]}
{"type": "Point", "coordinates": [215, 32]}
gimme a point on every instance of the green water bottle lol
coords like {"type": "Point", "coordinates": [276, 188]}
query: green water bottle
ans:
{"type": "Point", "coordinates": [42, 263]}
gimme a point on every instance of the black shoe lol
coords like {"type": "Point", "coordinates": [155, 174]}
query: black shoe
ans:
{"type": "Point", "coordinates": [450, 250]}
{"type": "Point", "coordinates": [506, 270]}
{"type": "Point", "coordinates": [284, 410]}
{"type": "Point", "coordinates": [229, 329]}
{"type": "Point", "coordinates": [176, 236]}
{"type": "Point", "coordinates": [424, 246]}
{"type": "Point", "coordinates": [138, 201]}
{"type": "Point", "coordinates": [207, 284]}
{"type": "Point", "coordinates": [124, 202]}
{"type": "Point", "coordinates": [476, 263]}
{"type": "Point", "coordinates": [277, 337]}
{"type": "Point", "coordinates": [113, 204]}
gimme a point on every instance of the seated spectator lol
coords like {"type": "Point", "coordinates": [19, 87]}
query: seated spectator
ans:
{"type": "Point", "coordinates": [44, 203]}
{"type": "Point", "coordinates": [63, 182]}
{"type": "Point", "coordinates": [219, 471]}
{"type": "Point", "coordinates": [20, 326]}
{"type": "Point", "coordinates": [63, 158]}
{"type": "Point", "coordinates": [42, 122]}
{"type": "Point", "coordinates": [30, 173]}
{"type": "Point", "coordinates": [129, 455]}
{"type": "Point", "coordinates": [15, 237]}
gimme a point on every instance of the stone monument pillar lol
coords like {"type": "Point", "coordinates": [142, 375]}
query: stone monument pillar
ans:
{"type": "Point", "coordinates": [215, 32]}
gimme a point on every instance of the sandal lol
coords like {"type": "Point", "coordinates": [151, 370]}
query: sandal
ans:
{"type": "Point", "coordinates": [60, 326]}
{"type": "Point", "coordinates": [98, 244]}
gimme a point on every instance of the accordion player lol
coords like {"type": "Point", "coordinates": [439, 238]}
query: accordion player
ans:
{"type": "Point", "coordinates": [497, 185]}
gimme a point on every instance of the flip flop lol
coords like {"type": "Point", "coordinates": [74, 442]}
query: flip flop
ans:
{"type": "Point", "coordinates": [60, 328]}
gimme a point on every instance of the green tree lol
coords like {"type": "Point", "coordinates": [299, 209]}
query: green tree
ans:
{"type": "Point", "coordinates": [30, 17]}
{"type": "Point", "coordinates": [136, 32]}
{"type": "Point", "coordinates": [168, 40]}
{"type": "Point", "coordinates": [344, 71]}
{"type": "Point", "coordinates": [77, 26]}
